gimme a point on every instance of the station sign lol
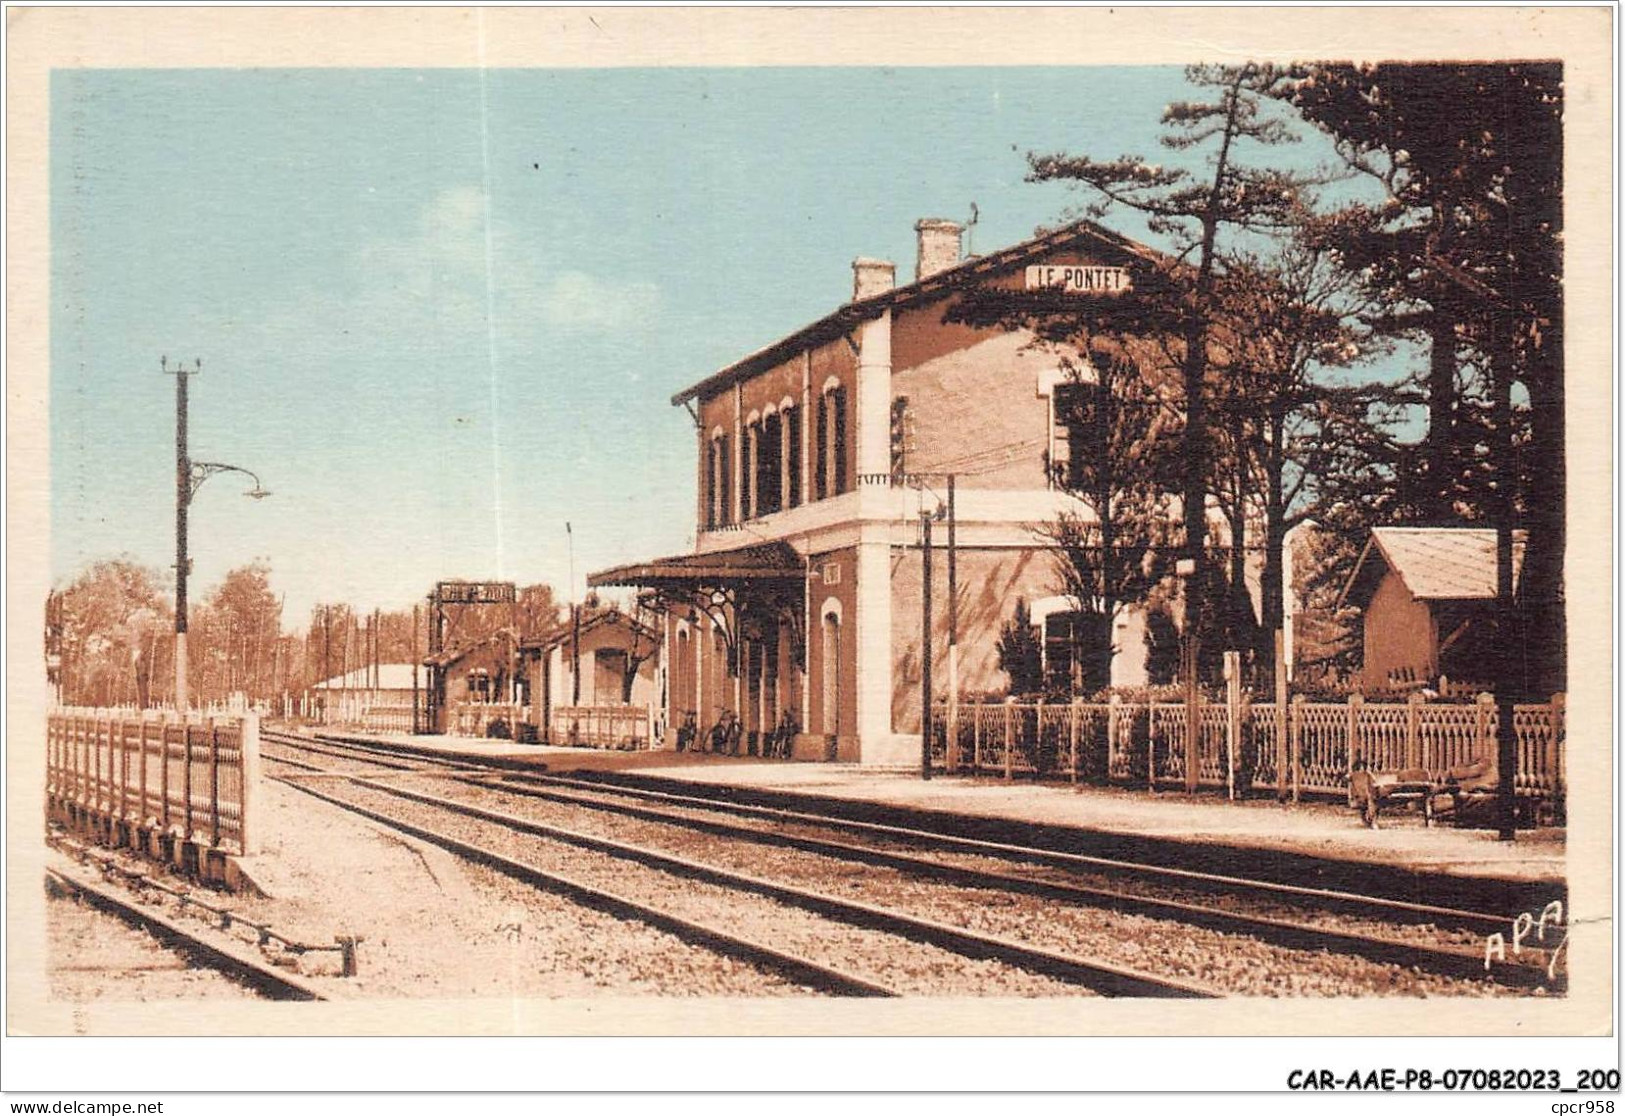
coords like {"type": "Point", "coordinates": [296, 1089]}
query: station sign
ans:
{"type": "Point", "coordinates": [1084, 279]}
{"type": "Point", "coordinates": [475, 592]}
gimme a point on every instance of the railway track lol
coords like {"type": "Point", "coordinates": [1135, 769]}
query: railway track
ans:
{"type": "Point", "coordinates": [1295, 918]}
{"type": "Point", "coordinates": [205, 949]}
{"type": "Point", "coordinates": [1001, 869]}
{"type": "Point", "coordinates": [834, 924]}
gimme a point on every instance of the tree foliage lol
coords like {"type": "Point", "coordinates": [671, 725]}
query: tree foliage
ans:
{"type": "Point", "coordinates": [1468, 244]}
{"type": "Point", "coordinates": [110, 626]}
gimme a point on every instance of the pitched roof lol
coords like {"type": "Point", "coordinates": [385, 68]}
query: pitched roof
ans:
{"type": "Point", "coordinates": [597, 619]}
{"type": "Point", "coordinates": [1435, 563]}
{"type": "Point", "coordinates": [391, 676]}
{"type": "Point", "coordinates": [850, 314]}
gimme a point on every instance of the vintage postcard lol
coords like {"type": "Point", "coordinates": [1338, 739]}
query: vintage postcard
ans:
{"type": "Point", "coordinates": [1036, 522]}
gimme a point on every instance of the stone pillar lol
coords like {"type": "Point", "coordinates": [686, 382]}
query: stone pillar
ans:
{"type": "Point", "coordinates": [874, 403]}
{"type": "Point", "coordinates": [872, 665]}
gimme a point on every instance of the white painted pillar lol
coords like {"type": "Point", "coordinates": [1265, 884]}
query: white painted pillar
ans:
{"type": "Point", "coordinates": [874, 398]}
{"type": "Point", "coordinates": [872, 669]}
{"type": "Point", "coordinates": [873, 661]}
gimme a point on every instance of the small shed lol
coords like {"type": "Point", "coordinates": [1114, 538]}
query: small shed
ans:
{"type": "Point", "coordinates": [1427, 595]}
{"type": "Point", "coordinates": [388, 683]}
{"type": "Point", "coordinates": [619, 665]}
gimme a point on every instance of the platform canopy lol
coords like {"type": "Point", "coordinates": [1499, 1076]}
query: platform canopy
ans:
{"type": "Point", "coordinates": [762, 565]}
{"type": "Point", "coordinates": [743, 591]}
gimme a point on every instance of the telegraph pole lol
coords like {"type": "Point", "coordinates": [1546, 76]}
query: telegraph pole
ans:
{"type": "Point", "coordinates": [950, 753]}
{"type": "Point", "coordinates": [575, 622]}
{"type": "Point", "coordinates": [189, 476]}
{"type": "Point", "coordinates": [183, 497]}
{"type": "Point", "coordinates": [925, 648]}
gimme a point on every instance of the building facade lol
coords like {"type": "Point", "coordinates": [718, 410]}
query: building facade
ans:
{"type": "Point", "coordinates": [801, 608]}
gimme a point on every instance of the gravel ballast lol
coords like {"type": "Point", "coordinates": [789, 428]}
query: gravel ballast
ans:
{"type": "Point", "coordinates": [903, 965]}
{"type": "Point", "coordinates": [1305, 910]}
{"type": "Point", "coordinates": [1235, 963]}
{"type": "Point", "coordinates": [97, 956]}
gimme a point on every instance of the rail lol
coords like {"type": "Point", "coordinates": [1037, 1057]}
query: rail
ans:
{"type": "Point", "coordinates": [124, 777]}
{"type": "Point", "coordinates": [1312, 748]}
{"type": "Point", "coordinates": [224, 918]}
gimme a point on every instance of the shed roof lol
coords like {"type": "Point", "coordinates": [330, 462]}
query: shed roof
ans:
{"type": "Point", "coordinates": [766, 562]}
{"type": "Point", "coordinates": [1435, 563]}
{"type": "Point", "coordinates": [391, 676]}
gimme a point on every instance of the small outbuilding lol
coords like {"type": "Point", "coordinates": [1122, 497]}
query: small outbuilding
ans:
{"type": "Point", "coordinates": [1427, 595]}
{"type": "Point", "coordinates": [387, 683]}
{"type": "Point", "coordinates": [609, 664]}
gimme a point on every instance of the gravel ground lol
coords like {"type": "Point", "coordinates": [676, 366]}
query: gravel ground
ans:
{"type": "Point", "coordinates": [1236, 963]}
{"type": "Point", "coordinates": [908, 967]}
{"type": "Point", "coordinates": [96, 956]}
{"type": "Point", "coordinates": [435, 927]}
{"type": "Point", "coordinates": [1427, 934]}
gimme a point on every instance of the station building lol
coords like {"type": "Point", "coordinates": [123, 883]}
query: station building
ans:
{"type": "Point", "coordinates": [801, 605]}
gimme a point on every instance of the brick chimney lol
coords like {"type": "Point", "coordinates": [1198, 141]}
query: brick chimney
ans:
{"type": "Point", "coordinates": [872, 277]}
{"type": "Point", "coordinates": [939, 245]}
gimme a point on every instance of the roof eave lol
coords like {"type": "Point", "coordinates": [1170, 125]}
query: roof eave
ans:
{"type": "Point", "coordinates": [844, 317]}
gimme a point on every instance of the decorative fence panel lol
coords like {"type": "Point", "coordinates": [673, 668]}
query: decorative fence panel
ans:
{"type": "Point", "coordinates": [1312, 748]}
{"type": "Point", "coordinates": [624, 727]}
{"type": "Point", "coordinates": [1167, 743]}
{"type": "Point", "coordinates": [1322, 744]}
{"type": "Point", "coordinates": [117, 776]}
{"type": "Point", "coordinates": [1128, 743]}
{"type": "Point", "coordinates": [476, 718]}
{"type": "Point", "coordinates": [1270, 766]}
{"type": "Point", "coordinates": [367, 711]}
{"type": "Point", "coordinates": [1453, 735]}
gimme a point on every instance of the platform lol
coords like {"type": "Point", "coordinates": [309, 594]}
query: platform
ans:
{"type": "Point", "coordinates": [1313, 838]}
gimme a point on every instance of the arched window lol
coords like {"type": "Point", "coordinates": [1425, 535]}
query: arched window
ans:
{"type": "Point", "coordinates": [719, 471]}
{"type": "Point", "coordinates": [830, 706]}
{"type": "Point", "coordinates": [791, 418]}
{"type": "Point", "coordinates": [770, 465]}
{"type": "Point", "coordinates": [831, 472]}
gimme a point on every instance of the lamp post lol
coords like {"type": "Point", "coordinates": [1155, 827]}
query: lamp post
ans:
{"type": "Point", "coordinates": [575, 621]}
{"type": "Point", "coordinates": [1190, 645]}
{"type": "Point", "coordinates": [189, 477]}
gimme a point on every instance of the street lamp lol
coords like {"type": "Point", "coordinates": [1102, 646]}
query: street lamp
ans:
{"type": "Point", "coordinates": [189, 477]}
{"type": "Point", "coordinates": [1190, 647]}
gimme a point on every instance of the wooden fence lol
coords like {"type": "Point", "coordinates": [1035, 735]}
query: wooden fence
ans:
{"type": "Point", "coordinates": [622, 727]}
{"type": "Point", "coordinates": [1310, 747]}
{"type": "Point", "coordinates": [122, 777]}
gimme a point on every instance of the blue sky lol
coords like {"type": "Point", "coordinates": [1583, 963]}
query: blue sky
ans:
{"type": "Point", "coordinates": [442, 313]}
